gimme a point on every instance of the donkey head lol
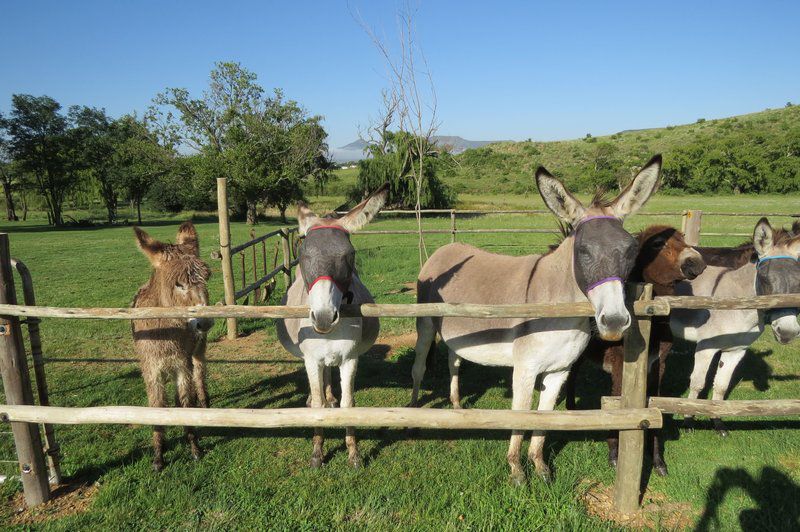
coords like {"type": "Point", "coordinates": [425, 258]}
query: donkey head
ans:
{"type": "Point", "coordinates": [603, 252]}
{"type": "Point", "coordinates": [665, 257]}
{"type": "Point", "coordinates": [778, 272]}
{"type": "Point", "coordinates": [327, 258]}
{"type": "Point", "coordinates": [179, 277]}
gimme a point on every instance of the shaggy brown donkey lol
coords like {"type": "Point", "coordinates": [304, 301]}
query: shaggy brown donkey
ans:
{"type": "Point", "coordinates": [664, 259]}
{"type": "Point", "coordinates": [173, 349]}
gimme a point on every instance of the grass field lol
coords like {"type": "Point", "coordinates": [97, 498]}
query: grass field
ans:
{"type": "Point", "coordinates": [437, 480]}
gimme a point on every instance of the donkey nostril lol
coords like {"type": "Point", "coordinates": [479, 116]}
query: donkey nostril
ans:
{"type": "Point", "coordinates": [335, 316]}
{"type": "Point", "coordinates": [603, 320]}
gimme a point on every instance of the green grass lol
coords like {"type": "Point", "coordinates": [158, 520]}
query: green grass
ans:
{"type": "Point", "coordinates": [437, 480]}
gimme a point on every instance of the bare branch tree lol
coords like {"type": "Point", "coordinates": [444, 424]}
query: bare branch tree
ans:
{"type": "Point", "coordinates": [413, 99]}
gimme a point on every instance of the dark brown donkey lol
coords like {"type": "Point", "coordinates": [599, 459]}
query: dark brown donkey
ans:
{"type": "Point", "coordinates": [664, 259]}
{"type": "Point", "coordinates": [173, 349]}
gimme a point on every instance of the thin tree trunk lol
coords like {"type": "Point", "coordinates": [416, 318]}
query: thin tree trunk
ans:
{"type": "Point", "coordinates": [11, 214]}
{"type": "Point", "coordinates": [252, 212]}
{"type": "Point", "coordinates": [282, 208]}
{"type": "Point", "coordinates": [139, 210]}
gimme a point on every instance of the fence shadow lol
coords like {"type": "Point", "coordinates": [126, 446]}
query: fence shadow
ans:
{"type": "Point", "coordinates": [775, 493]}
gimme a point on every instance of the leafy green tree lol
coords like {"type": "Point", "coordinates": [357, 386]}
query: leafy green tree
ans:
{"type": "Point", "coordinates": [391, 161]}
{"type": "Point", "coordinates": [43, 145]}
{"type": "Point", "coordinates": [8, 174]}
{"type": "Point", "coordinates": [97, 138]}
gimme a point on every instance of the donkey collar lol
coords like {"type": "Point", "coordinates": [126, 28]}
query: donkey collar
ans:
{"type": "Point", "coordinates": [336, 227]}
{"type": "Point", "coordinates": [604, 281]}
{"type": "Point", "coordinates": [765, 259]}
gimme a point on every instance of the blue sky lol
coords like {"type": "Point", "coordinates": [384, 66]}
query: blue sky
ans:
{"type": "Point", "coordinates": [502, 70]}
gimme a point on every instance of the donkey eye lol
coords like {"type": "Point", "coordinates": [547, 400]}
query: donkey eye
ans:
{"type": "Point", "coordinates": [180, 286]}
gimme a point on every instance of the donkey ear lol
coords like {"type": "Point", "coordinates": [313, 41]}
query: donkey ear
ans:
{"type": "Point", "coordinates": [305, 218]}
{"type": "Point", "coordinates": [150, 247]}
{"type": "Point", "coordinates": [639, 190]}
{"type": "Point", "coordinates": [763, 237]}
{"type": "Point", "coordinates": [557, 197]}
{"type": "Point", "coordinates": [187, 238]}
{"type": "Point", "coordinates": [796, 228]}
{"type": "Point", "coordinates": [365, 211]}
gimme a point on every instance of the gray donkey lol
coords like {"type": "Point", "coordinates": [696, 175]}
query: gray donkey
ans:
{"type": "Point", "coordinates": [591, 263]}
{"type": "Point", "coordinates": [768, 266]}
{"type": "Point", "coordinates": [327, 277]}
{"type": "Point", "coordinates": [173, 349]}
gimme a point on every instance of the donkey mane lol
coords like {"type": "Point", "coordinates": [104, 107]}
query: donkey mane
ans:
{"type": "Point", "coordinates": [738, 256]}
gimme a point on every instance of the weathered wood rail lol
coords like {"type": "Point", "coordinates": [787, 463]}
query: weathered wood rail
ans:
{"type": "Point", "coordinates": [716, 408]}
{"type": "Point", "coordinates": [430, 418]}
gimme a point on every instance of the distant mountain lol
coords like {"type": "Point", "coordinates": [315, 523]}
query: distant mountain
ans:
{"type": "Point", "coordinates": [355, 150]}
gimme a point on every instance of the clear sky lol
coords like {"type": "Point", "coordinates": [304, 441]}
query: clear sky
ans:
{"type": "Point", "coordinates": [502, 70]}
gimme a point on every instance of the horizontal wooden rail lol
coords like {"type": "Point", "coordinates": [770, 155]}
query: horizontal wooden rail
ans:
{"type": "Point", "coordinates": [710, 407]}
{"type": "Point", "coordinates": [463, 310]}
{"type": "Point", "coordinates": [433, 418]}
{"type": "Point", "coordinates": [731, 303]}
{"type": "Point", "coordinates": [457, 231]}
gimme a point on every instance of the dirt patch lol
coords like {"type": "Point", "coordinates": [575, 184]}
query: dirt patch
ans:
{"type": "Point", "coordinates": [790, 462]}
{"type": "Point", "coordinates": [66, 499]}
{"type": "Point", "coordinates": [657, 510]}
{"type": "Point", "coordinates": [406, 288]}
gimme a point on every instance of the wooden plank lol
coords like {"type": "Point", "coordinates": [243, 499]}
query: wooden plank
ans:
{"type": "Point", "coordinates": [690, 228]}
{"type": "Point", "coordinates": [718, 408]}
{"type": "Point", "coordinates": [17, 389]}
{"type": "Point", "coordinates": [434, 418]}
{"type": "Point", "coordinates": [287, 258]}
{"type": "Point", "coordinates": [385, 310]}
{"type": "Point", "coordinates": [225, 252]}
{"type": "Point", "coordinates": [627, 488]}
{"type": "Point", "coordinates": [732, 303]}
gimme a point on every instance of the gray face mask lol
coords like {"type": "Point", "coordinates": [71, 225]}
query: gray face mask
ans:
{"type": "Point", "coordinates": [326, 253]}
{"type": "Point", "coordinates": [604, 252]}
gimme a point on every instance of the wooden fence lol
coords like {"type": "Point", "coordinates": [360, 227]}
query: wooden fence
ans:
{"type": "Point", "coordinates": [631, 414]}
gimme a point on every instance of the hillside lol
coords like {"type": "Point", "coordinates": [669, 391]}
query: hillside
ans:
{"type": "Point", "coordinates": [748, 153]}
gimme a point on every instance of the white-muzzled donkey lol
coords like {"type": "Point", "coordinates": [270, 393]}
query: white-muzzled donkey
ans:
{"type": "Point", "coordinates": [326, 276]}
{"type": "Point", "coordinates": [591, 263]}
{"type": "Point", "coordinates": [769, 266]}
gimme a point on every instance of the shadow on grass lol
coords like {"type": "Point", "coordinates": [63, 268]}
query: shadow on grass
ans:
{"type": "Point", "coordinates": [44, 228]}
{"type": "Point", "coordinates": [776, 495]}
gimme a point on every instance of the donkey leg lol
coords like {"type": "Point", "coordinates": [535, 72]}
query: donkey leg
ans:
{"type": "Point", "coordinates": [728, 362]}
{"type": "Point", "coordinates": [199, 376]}
{"type": "Point", "coordinates": [454, 363]}
{"type": "Point", "coordinates": [187, 398]}
{"type": "Point", "coordinates": [523, 380]}
{"type": "Point", "coordinates": [330, 399]}
{"type": "Point", "coordinates": [348, 375]}
{"type": "Point", "coordinates": [156, 397]}
{"type": "Point", "coordinates": [426, 334]}
{"type": "Point", "coordinates": [653, 389]}
{"type": "Point", "coordinates": [702, 362]}
{"type": "Point", "coordinates": [548, 397]}
{"type": "Point", "coordinates": [569, 389]}
{"type": "Point", "coordinates": [315, 372]}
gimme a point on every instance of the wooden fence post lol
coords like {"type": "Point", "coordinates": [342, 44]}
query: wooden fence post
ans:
{"type": "Point", "coordinates": [287, 258]}
{"type": "Point", "coordinates": [17, 387]}
{"type": "Point", "coordinates": [634, 395]}
{"type": "Point", "coordinates": [452, 225]}
{"type": "Point", "coordinates": [225, 251]}
{"type": "Point", "coordinates": [690, 226]}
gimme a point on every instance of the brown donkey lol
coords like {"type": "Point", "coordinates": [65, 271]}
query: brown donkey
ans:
{"type": "Point", "coordinates": [173, 349]}
{"type": "Point", "coordinates": [664, 259]}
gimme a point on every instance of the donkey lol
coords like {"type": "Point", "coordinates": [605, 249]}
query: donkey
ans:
{"type": "Point", "coordinates": [327, 276]}
{"type": "Point", "coordinates": [591, 263]}
{"type": "Point", "coordinates": [771, 268]}
{"type": "Point", "coordinates": [664, 259]}
{"type": "Point", "coordinates": [173, 349]}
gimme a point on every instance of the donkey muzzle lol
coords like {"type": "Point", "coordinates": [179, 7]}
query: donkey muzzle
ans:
{"type": "Point", "coordinates": [325, 321]}
{"type": "Point", "coordinates": [784, 325]}
{"type": "Point", "coordinates": [692, 263]}
{"type": "Point", "coordinates": [201, 325]}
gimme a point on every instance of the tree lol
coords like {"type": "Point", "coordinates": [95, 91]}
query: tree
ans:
{"type": "Point", "coordinates": [42, 144]}
{"type": "Point", "coordinates": [97, 139]}
{"type": "Point", "coordinates": [139, 159]}
{"type": "Point", "coordinates": [7, 173]}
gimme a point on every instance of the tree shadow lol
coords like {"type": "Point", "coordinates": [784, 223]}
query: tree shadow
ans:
{"type": "Point", "coordinates": [198, 219]}
{"type": "Point", "coordinates": [775, 493]}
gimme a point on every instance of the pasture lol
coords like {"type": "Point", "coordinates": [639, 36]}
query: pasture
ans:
{"type": "Point", "coordinates": [435, 480]}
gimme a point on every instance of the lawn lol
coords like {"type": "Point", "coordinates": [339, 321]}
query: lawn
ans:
{"type": "Point", "coordinates": [434, 480]}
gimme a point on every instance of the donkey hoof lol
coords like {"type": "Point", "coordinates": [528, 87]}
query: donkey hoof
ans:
{"type": "Point", "coordinates": [545, 474]}
{"type": "Point", "coordinates": [723, 432]}
{"type": "Point", "coordinates": [660, 469]}
{"type": "Point", "coordinates": [720, 427]}
{"type": "Point", "coordinates": [688, 424]}
{"type": "Point", "coordinates": [517, 479]}
{"type": "Point", "coordinates": [355, 461]}
{"type": "Point", "coordinates": [412, 432]}
{"type": "Point", "coordinates": [316, 462]}
{"type": "Point", "coordinates": [158, 466]}
{"type": "Point", "coordinates": [333, 403]}
{"type": "Point", "coordinates": [612, 461]}
{"type": "Point", "coordinates": [197, 454]}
